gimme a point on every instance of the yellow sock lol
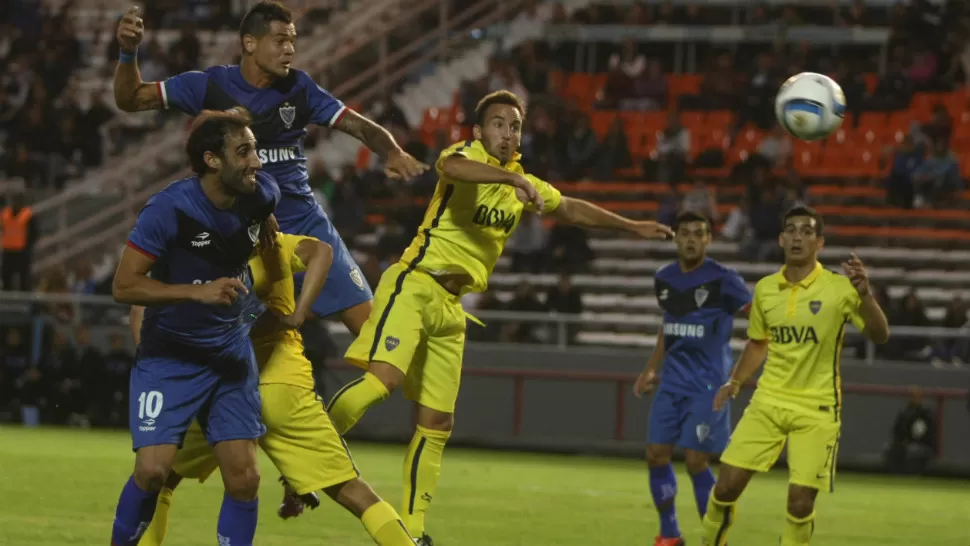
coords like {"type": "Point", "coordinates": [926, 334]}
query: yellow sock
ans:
{"type": "Point", "coordinates": [354, 399]}
{"type": "Point", "coordinates": [798, 531]}
{"type": "Point", "coordinates": [385, 526]}
{"type": "Point", "coordinates": [422, 466]}
{"type": "Point", "coordinates": [155, 533]}
{"type": "Point", "coordinates": [718, 520]}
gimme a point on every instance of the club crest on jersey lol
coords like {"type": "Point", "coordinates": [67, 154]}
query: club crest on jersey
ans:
{"type": "Point", "coordinates": [703, 432]}
{"type": "Point", "coordinates": [815, 306]}
{"type": "Point", "coordinates": [288, 115]}
{"type": "Point", "coordinates": [357, 278]}
{"type": "Point", "coordinates": [391, 343]}
{"type": "Point", "coordinates": [700, 296]}
{"type": "Point", "coordinates": [254, 233]}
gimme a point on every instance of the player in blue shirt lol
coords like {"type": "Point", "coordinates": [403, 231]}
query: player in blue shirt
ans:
{"type": "Point", "coordinates": [699, 297]}
{"type": "Point", "coordinates": [187, 262]}
{"type": "Point", "coordinates": [283, 102]}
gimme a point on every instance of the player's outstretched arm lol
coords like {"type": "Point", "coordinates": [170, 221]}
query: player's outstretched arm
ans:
{"type": "Point", "coordinates": [133, 286]}
{"type": "Point", "coordinates": [398, 163]}
{"type": "Point", "coordinates": [135, 317]}
{"type": "Point", "coordinates": [131, 93]}
{"type": "Point", "coordinates": [317, 256]}
{"type": "Point", "coordinates": [585, 214]}
{"type": "Point", "coordinates": [754, 354]}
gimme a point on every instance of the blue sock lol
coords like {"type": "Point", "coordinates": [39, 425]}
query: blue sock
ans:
{"type": "Point", "coordinates": [703, 485]}
{"type": "Point", "coordinates": [237, 521]}
{"type": "Point", "coordinates": [135, 510]}
{"type": "Point", "coordinates": [663, 487]}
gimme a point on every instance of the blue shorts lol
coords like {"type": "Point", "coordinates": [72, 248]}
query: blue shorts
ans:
{"type": "Point", "coordinates": [688, 421]}
{"type": "Point", "coordinates": [345, 286]}
{"type": "Point", "coordinates": [168, 393]}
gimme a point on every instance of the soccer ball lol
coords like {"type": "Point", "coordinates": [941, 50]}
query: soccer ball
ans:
{"type": "Point", "coordinates": [810, 106]}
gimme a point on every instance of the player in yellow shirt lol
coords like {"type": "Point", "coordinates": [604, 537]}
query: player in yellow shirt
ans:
{"type": "Point", "coordinates": [415, 335]}
{"type": "Point", "coordinates": [797, 321]}
{"type": "Point", "coordinates": [300, 439]}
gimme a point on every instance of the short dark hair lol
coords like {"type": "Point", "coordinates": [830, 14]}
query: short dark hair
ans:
{"type": "Point", "coordinates": [257, 19]}
{"type": "Point", "coordinates": [686, 216]}
{"type": "Point", "coordinates": [208, 134]}
{"type": "Point", "coordinates": [502, 96]}
{"type": "Point", "coordinates": [804, 210]}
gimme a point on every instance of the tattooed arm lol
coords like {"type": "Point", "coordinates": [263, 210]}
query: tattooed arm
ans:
{"type": "Point", "coordinates": [400, 164]}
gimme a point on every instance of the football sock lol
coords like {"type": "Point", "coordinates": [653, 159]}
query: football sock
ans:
{"type": "Point", "coordinates": [237, 521]}
{"type": "Point", "coordinates": [703, 485]}
{"type": "Point", "coordinates": [798, 531]}
{"type": "Point", "coordinates": [354, 399]}
{"type": "Point", "coordinates": [422, 466]}
{"type": "Point", "coordinates": [133, 515]}
{"type": "Point", "coordinates": [155, 534]}
{"type": "Point", "coordinates": [385, 526]}
{"type": "Point", "coordinates": [717, 521]}
{"type": "Point", "coordinates": [663, 487]}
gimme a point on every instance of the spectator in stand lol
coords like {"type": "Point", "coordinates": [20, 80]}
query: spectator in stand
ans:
{"type": "Point", "coordinates": [853, 85]}
{"type": "Point", "coordinates": [922, 70]}
{"type": "Point", "coordinates": [914, 433]}
{"type": "Point", "coordinates": [673, 150]}
{"type": "Point", "coordinates": [954, 350]}
{"type": "Point", "coordinates": [911, 312]}
{"type": "Point", "coordinates": [14, 362]}
{"type": "Point", "coordinates": [760, 90]}
{"type": "Point", "coordinates": [112, 392]}
{"type": "Point", "coordinates": [719, 89]}
{"type": "Point", "coordinates": [940, 126]}
{"type": "Point", "coordinates": [18, 234]}
{"type": "Point", "coordinates": [348, 204]}
{"type": "Point", "coordinates": [525, 301]}
{"type": "Point", "coordinates": [614, 152]}
{"type": "Point", "coordinates": [775, 150]}
{"type": "Point", "coordinates": [527, 245]}
{"type": "Point", "coordinates": [565, 298]}
{"type": "Point", "coordinates": [534, 72]}
{"type": "Point", "coordinates": [937, 178]}
{"type": "Point", "coordinates": [765, 209]}
{"type": "Point", "coordinates": [582, 148]}
{"type": "Point", "coordinates": [856, 15]}
{"type": "Point", "coordinates": [568, 248]}
{"type": "Point", "coordinates": [62, 375]}
{"type": "Point", "coordinates": [900, 186]}
{"type": "Point", "coordinates": [703, 199]}
{"type": "Point", "coordinates": [894, 90]}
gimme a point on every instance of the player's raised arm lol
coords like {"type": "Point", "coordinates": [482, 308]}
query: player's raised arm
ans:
{"type": "Point", "coordinates": [398, 163]}
{"type": "Point", "coordinates": [874, 324]}
{"type": "Point", "coordinates": [316, 257]}
{"type": "Point", "coordinates": [185, 91]}
{"type": "Point", "coordinates": [585, 214]}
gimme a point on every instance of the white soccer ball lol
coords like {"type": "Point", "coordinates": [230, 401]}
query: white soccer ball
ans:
{"type": "Point", "coordinates": [810, 106]}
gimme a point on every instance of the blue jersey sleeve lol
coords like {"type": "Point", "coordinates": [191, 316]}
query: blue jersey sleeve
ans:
{"type": "Point", "coordinates": [325, 109]}
{"type": "Point", "coordinates": [268, 192]}
{"type": "Point", "coordinates": [185, 92]}
{"type": "Point", "coordinates": [155, 228]}
{"type": "Point", "coordinates": [735, 292]}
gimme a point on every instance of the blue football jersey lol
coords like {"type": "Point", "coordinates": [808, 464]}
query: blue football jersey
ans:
{"type": "Point", "coordinates": [281, 114]}
{"type": "Point", "coordinates": [193, 242]}
{"type": "Point", "coordinates": [699, 308]}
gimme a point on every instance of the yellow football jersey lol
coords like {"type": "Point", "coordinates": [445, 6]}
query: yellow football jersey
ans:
{"type": "Point", "coordinates": [280, 354]}
{"type": "Point", "coordinates": [466, 224]}
{"type": "Point", "coordinates": [804, 324]}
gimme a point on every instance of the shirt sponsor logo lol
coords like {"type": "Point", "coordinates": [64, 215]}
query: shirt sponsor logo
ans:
{"type": "Point", "coordinates": [277, 155]}
{"type": "Point", "coordinates": [683, 330]}
{"type": "Point", "coordinates": [489, 217]}
{"type": "Point", "coordinates": [786, 335]}
{"type": "Point", "coordinates": [201, 240]}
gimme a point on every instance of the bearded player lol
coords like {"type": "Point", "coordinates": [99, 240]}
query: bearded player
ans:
{"type": "Point", "coordinates": [299, 439]}
{"type": "Point", "coordinates": [416, 335]}
{"type": "Point", "coordinates": [692, 359]}
{"type": "Point", "coordinates": [283, 101]}
{"type": "Point", "coordinates": [796, 328]}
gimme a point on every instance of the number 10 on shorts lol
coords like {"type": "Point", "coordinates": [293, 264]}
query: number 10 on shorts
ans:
{"type": "Point", "coordinates": [150, 405]}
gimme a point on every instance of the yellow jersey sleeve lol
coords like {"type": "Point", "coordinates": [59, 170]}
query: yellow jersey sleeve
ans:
{"type": "Point", "coordinates": [851, 303]}
{"type": "Point", "coordinates": [756, 316]}
{"type": "Point", "coordinates": [551, 197]}
{"type": "Point", "coordinates": [288, 244]}
{"type": "Point", "coordinates": [464, 149]}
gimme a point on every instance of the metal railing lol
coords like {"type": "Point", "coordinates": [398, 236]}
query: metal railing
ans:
{"type": "Point", "coordinates": [23, 302]}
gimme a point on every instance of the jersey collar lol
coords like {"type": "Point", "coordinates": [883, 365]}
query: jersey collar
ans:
{"type": "Point", "coordinates": [804, 283]}
{"type": "Point", "coordinates": [492, 160]}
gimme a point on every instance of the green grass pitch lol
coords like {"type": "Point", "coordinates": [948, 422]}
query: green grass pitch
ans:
{"type": "Point", "coordinates": [60, 487]}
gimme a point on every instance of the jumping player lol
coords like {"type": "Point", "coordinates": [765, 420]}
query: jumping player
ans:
{"type": "Point", "coordinates": [416, 335]}
{"type": "Point", "coordinates": [699, 297]}
{"type": "Point", "coordinates": [283, 102]}
{"type": "Point", "coordinates": [300, 439]}
{"type": "Point", "coordinates": [195, 361]}
{"type": "Point", "coordinates": [797, 322]}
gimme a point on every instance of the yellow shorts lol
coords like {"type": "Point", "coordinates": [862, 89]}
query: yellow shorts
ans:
{"type": "Point", "coordinates": [419, 328]}
{"type": "Point", "coordinates": [813, 443]}
{"type": "Point", "coordinates": [299, 439]}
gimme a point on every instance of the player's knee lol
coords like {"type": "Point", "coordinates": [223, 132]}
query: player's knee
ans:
{"type": "Point", "coordinates": [436, 420]}
{"type": "Point", "coordinates": [390, 376]}
{"type": "Point", "coordinates": [801, 502]}
{"type": "Point", "coordinates": [354, 495]}
{"type": "Point", "coordinates": [658, 455]}
{"type": "Point", "coordinates": [151, 475]}
{"type": "Point", "coordinates": [696, 461]}
{"type": "Point", "coordinates": [242, 483]}
{"type": "Point", "coordinates": [726, 490]}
